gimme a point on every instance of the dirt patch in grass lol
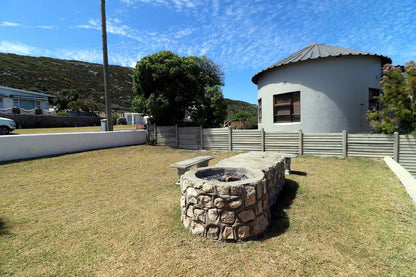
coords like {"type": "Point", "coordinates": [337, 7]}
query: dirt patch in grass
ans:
{"type": "Point", "coordinates": [116, 212]}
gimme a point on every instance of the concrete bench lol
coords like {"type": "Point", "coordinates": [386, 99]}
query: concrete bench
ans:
{"type": "Point", "coordinates": [183, 166]}
{"type": "Point", "coordinates": [287, 158]}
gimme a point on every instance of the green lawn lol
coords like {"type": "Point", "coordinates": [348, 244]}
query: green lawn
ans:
{"type": "Point", "coordinates": [116, 212]}
{"type": "Point", "coordinates": [68, 129]}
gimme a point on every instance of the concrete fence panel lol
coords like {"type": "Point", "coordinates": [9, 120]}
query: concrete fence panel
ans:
{"type": "Point", "coordinates": [246, 140]}
{"type": "Point", "coordinates": [189, 137]}
{"type": "Point", "coordinates": [166, 135]}
{"type": "Point", "coordinates": [401, 148]}
{"type": "Point", "coordinates": [216, 139]}
{"type": "Point", "coordinates": [372, 146]}
{"type": "Point", "coordinates": [330, 144]}
{"type": "Point", "coordinates": [287, 142]}
{"type": "Point", "coordinates": [407, 153]}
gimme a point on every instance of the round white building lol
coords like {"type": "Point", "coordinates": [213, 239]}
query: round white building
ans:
{"type": "Point", "coordinates": [319, 89]}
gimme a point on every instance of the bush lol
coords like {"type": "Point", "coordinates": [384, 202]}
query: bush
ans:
{"type": "Point", "coordinates": [121, 121]}
{"type": "Point", "coordinates": [114, 118]}
{"type": "Point", "coordinates": [62, 113]}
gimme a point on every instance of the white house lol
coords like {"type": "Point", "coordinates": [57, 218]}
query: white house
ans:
{"type": "Point", "coordinates": [19, 101]}
{"type": "Point", "coordinates": [320, 88]}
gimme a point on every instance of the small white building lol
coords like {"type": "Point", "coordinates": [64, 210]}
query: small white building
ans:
{"type": "Point", "coordinates": [319, 89]}
{"type": "Point", "coordinates": [19, 101]}
{"type": "Point", "coordinates": [135, 118]}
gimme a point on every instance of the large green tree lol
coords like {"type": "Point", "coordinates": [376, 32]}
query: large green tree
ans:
{"type": "Point", "coordinates": [174, 89]}
{"type": "Point", "coordinates": [397, 112]}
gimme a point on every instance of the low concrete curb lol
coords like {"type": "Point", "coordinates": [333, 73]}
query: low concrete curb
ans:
{"type": "Point", "coordinates": [407, 180]}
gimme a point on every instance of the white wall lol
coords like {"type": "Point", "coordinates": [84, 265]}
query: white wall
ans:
{"type": "Point", "coordinates": [15, 147]}
{"type": "Point", "coordinates": [334, 93]}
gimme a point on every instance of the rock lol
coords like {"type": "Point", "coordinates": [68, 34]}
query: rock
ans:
{"type": "Point", "coordinates": [236, 191]}
{"type": "Point", "coordinates": [212, 233]}
{"type": "Point", "coordinates": [259, 189]}
{"type": "Point", "coordinates": [244, 232]}
{"type": "Point", "coordinates": [223, 189]}
{"type": "Point", "coordinates": [259, 208]}
{"type": "Point", "coordinates": [235, 204]}
{"type": "Point", "coordinates": [228, 217]}
{"type": "Point", "coordinates": [200, 215]}
{"type": "Point", "coordinates": [213, 215]}
{"type": "Point", "coordinates": [187, 222]}
{"type": "Point", "coordinates": [260, 225]}
{"type": "Point", "coordinates": [219, 203]}
{"type": "Point", "coordinates": [250, 196]}
{"type": "Point", "coordinates": [246, 215]}
{"type": "Point", "coordinates": [204, 201]}
{"type": "Point", "coordinates": [197, 229]}
{"type": "Point", "coordinates": [190, 211]}
{"type": "Point", "coordinates": [208, 188]}
{"type": "Point", "coordinates": [228, 233]}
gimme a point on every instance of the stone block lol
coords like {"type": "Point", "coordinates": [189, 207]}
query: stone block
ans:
{"type": "Point", "coordinates": [200, 215]}
{"type": "Point", "coordinates": [219, 203]}
{"type": "Point", "coordinates": [228, 217]}
{"type": "Point", "coordinates": [213, 215]}
{"type": "Point", "coordinates": [236, 191]}
{"type": "Point", "coordinates": [246, 215]}
{"type": "Point", "coordinates": [208, 188]}
{"type": "Point", "coordinates": [197, 229]}
{"type": "Point", "coordinates": [244, 232]}
{"type": "Point", "coordinates": [260, 225]}
{"type": "Point", "coordinates": [190, 211]}
{"type": "Point", "coordinates": [235, 204]}
{"type": "Point", "coordinates": [205, 201]}
{"type": "Point", "coordinates": [259, 208]}
{"type": "Point", "coordinates": [228, 233]}
{"type": "Point", "coordinates": [213, 232]}
{"type": "Point", "coordinates": [223, 189]}
{"type": "Point", "coordinates": [250, 196]}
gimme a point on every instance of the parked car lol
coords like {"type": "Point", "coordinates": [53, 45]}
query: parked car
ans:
{"type": "Point", "coordinates": [6, 126]}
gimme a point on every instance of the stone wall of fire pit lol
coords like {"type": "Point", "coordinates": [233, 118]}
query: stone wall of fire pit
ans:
{"type": "Point", "coordinates": [231, 203]}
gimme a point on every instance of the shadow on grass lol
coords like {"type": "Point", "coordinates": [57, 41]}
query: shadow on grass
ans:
{"type": "Point", "coordinates": [3, 227]}
{"type": "Point", "coordinates": [300, 173]}
{"type": "Point", "coordinates": [280, 221]}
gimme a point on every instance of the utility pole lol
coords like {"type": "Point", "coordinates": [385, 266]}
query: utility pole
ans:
{"type": "Point", "coordinates": [105, 67]}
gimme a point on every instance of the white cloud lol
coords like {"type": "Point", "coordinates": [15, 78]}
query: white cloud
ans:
{"type": "Point", "coordinates": [17, 48]}
{"type": "Point", "coordinates": [9, 24]}
{"type": "Point", "coordinates": [48, 27]}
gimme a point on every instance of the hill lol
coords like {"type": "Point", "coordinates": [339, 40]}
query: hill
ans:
{"type": "Point", "coordinates": [50, 75]}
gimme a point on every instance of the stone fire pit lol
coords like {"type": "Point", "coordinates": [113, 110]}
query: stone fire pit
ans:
{"type": "Point", "coordinates": [231, 203]}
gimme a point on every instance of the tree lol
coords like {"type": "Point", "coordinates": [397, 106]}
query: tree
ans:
{"type": "Point", "coordinates": [397, 103]}
{"type": "Point", "coordinates": [85, 105]}
{"type": "Point", "coordinates": [66, 96]}
{"type": "Point", "coordinates": [174, 89]}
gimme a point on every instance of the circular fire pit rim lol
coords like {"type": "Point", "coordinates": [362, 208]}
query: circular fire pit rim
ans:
{"type": "Point", "coordinates": [251, 174]}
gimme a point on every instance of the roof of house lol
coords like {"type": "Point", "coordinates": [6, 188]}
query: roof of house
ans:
{"type": "Point", "coordinates": [318, 51]}
{"type": "Point", "coordinates": [9, 89]}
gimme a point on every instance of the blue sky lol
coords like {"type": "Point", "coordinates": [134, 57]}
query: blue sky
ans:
{"type": "Point", "coordinates": [243, 37]}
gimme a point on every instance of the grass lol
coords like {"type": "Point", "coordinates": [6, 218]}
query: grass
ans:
{"type": "Point", "coordinates": [116, 212]}
{"type": "Point", "coordinates": [68, 129]}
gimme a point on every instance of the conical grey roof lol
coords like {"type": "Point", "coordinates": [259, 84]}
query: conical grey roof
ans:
{"type": "Point", "coordinates": [317, 51]}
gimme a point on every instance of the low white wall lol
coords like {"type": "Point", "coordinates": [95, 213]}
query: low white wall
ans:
{"type": "Point", "coordinates": [16, 147]}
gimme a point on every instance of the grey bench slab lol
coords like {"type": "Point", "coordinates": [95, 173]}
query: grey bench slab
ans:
{"type": "Point", "coordinates": [183, 166]}
{"type": "Point", "coordinates": [288, 158]}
